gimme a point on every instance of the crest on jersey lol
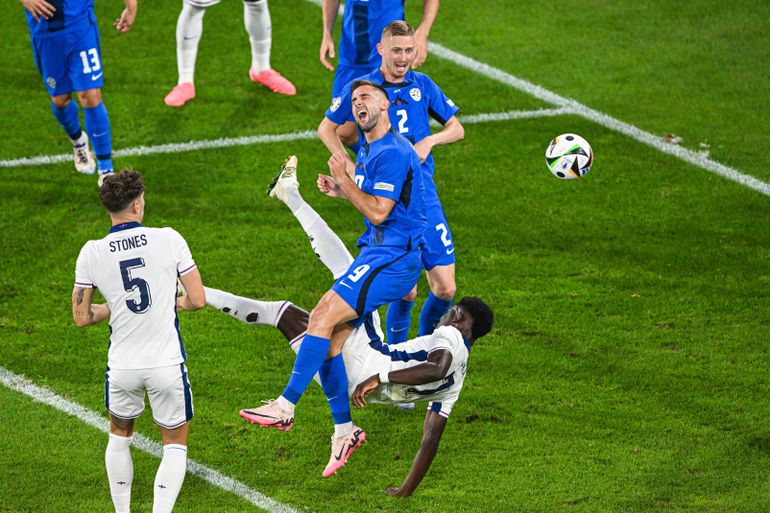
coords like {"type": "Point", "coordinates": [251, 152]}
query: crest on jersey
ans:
{"type": "Point", "coordinates": [415, 94]}
{"type": "Point", "coordinates": [336, 102]}
{"type": "Point", "coordinates": [51, 82]}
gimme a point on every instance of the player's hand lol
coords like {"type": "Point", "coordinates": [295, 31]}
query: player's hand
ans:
{"type": "Point", "coordinates": [395, 491]}
{"type": "Point", "coordinates": [327, 51]}
{"type": "Point", "coordinates": [127, 17]}
{"type": "Point", "coordinates": [328, 186]}
{"type": "Point", "coordinates": [420, 49]}
{"type": "Point", "coordinates": [338, 165]}
{"type": "Point", "coordinates": [39, 8]}
{"type": "Point", "coordinates": [363, 389]}
{"type": "Point", "coordinates": [423, 148]}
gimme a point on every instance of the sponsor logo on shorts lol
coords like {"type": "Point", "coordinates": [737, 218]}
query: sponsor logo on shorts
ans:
{"type": "Point", "coordinates": [382, 186]}
{"type": "Point", "coordinates": [415, 94]}
{"type": "Point", "coordinates": [51, 82]}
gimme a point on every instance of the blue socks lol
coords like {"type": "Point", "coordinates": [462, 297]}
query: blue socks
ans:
{"type": "Point", "coordinates": [310, 358]}
{"type": "Point", "coordinates": [334, 381]}
{"type": "Point", "coordinates": [98, 128]}
{"type": "Point", "coordinates": [68, 119]}
{"type": "Point", "coordinates": [397, 321]}
{"type": "Point", "coordinates": [432, 311]}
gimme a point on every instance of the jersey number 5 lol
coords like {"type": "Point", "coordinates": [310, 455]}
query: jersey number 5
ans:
{"type": "Point", "coordinates": [129, 284]}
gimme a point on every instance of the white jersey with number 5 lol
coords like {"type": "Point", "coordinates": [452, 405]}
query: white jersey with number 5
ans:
{"type": "Point", "coordinates": [135, 268]}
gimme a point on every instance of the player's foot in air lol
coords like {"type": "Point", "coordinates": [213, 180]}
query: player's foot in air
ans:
{"type": "Point", "coordinates": [84, 161]}
{"type": "Point", "coordinates": [342, 448]}
{"type": "Point", "coordinates": [180, 95]}
{"type": "Point", "coordinates": [102, 176]}
{"type": "Point", "coordinates": [273, 81]}
{"type": "Point", "coordinates": [285, 180]}
{"type": "Point", "coordinates": [269, 415]}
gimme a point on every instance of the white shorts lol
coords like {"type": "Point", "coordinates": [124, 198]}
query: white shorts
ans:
{"type": "Point", "coordinates": [361, 361]}
{"type": "Point", "coordinates": [201, 3]}
{"type": "Point", "coordinates": [168, 387]}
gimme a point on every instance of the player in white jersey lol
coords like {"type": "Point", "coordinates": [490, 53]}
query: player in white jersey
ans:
{"type": "Point", "coordinates": [136, 269]}
{"type": "Point", "coordinates": [189, 29]}
{"type": "Point", "coordinates": [430, 368]}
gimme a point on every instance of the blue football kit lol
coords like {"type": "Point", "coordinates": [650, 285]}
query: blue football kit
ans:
{"type": "Point", "coordinates": [413, 103]}
{"type": "Point", "coordinates": [66, 47]}
{"type": "Point", "coordinates": [362, 25]}
{"type": "Point", "coordinates": [388, 265]}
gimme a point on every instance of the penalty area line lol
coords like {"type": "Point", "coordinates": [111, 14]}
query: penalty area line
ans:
{"type": "Point", "coordinates": [22, 385]}
{"type": "Point", "coordinates": [229, 142]}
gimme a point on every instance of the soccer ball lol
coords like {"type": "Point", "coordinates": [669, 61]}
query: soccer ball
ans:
{"type": "Point", "coordinates": [569, 156]}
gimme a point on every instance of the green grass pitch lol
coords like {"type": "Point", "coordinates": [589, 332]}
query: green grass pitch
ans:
{"type": "Point", "coordinates": [628, 369]}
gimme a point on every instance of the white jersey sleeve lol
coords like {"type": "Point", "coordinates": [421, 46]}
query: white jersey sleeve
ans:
{"type": "Point", "coordinates": [83, 277]}
{"type": "Point", "coordinates": [185, 262]}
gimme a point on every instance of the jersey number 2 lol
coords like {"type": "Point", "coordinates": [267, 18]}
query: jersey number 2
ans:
{"type": "Point", "coordinates": [129, 284]}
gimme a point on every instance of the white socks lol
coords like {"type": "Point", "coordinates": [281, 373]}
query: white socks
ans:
{"type": "Point", "coordinates": [170, 476]}
{"type": "Point", "coordinates": [244, 309]}
{"type": "Point", "coordinates": [120, 471]}
{"type": "Point", "coordinates": [256, 19]}
{"type": "Point", "coordinates": [341, 430]}
{"type": "Point", "coordinates": [189, 28]}
{"type": "Point", "coordinates": [326, 244]}
{"type": "Point", "coordinates": [285, 404]}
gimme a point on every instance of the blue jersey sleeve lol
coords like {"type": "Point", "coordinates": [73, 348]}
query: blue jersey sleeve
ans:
{"type": "Point", "coordinates": [440, 107]}
{"type": "Point", "coordinates": [390, 171]}
{"type": "Point", "coordinates": [341, 110]}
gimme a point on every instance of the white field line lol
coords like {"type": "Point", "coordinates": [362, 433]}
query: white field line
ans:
{"type": "Point", "coordinates": [229, 142]}
{"type": "Point", "coordinates": [45, 396]}
{"type": "Point", "coordinates": [640, 135]}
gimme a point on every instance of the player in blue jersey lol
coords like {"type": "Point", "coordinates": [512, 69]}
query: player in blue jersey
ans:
{"type": "Point", "coordinates": [65, 44]}
{"type": "Point", "coordinates": [415, 99]}
{"type": "Point", "coordinates": [388, 191]}
{"type": "Point", "coordinates": [362, 24]}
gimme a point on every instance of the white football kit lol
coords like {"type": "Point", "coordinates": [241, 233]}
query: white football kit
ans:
{"type": "Point", "coordinates": [366, 354]}
{"type": "Point", "coordinates": [136, 268]}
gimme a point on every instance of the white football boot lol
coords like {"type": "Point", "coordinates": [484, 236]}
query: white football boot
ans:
{"type": "Point", "coordinates": [84, 161]}
{"type": "Point", "coordinates": [285, 180]}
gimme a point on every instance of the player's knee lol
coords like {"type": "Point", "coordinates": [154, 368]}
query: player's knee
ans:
{"type": "Point", "coordinates": [412, 294]}
{"type": "Point", "coordinates": [61, 101]}
{"type": "Point", "coordinates": [90, 98]}
{"type": "Point", "coordinates": [445, 291]}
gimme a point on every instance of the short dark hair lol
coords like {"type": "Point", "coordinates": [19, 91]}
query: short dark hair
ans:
{"type": "Point", "coordinates": [118, 191]}
{"type": "Point", "coordinates": [397, 28]}
{"type": "Point", "coordinates": [360, 83]}
{"type": "Point", "coordinates": [482, 315]}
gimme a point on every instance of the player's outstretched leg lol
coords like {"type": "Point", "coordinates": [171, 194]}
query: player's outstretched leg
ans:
{"type": "Point", "coordinates": [256, 19]}
{"type": "Point", "coordinates": [246, 310]}
{"type": "Point", "coordinates": [326, 244]}
{"type": "Point", "coordinates": [189, 28]}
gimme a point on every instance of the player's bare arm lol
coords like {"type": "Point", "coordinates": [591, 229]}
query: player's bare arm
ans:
{"type": "Point", "coordinates": [329, 11]}
{"type": "Point", "coordinates": [375, 208]}
{"type": "Point", "coordinates": [429, 13]}
{"type": "Point", "coordinates": [432, 430]}
{"type": "Point", "coordinates": [127, 17]}
{"type": "Point", "coordinates": [39, 8]}
{"type": "Point", "coordinates": [194, 297]}
{"type": "Point", "coordinates": [434, 369]}
{"type": "Point", "coordinates": [453, 131]}
{"type": "Point", "coordinates": [84, 312]}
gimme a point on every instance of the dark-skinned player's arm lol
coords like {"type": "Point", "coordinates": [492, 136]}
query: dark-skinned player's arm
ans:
{"type": "Point", "coordinates": [438, 364]}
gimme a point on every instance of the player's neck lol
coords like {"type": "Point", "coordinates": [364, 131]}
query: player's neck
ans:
{"type": "Point", "coordinates": [125, 218]}
{"type": "Point", "coordinates": [390, 78]}
{"type": "Point", "coordinates": [378, 132]}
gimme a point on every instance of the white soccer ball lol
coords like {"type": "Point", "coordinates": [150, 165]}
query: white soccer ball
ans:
{"type": "Point", "coordinates": [569, 156]}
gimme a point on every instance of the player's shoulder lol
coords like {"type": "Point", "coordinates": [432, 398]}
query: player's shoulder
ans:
{"type": "Point", "coordinates": [447, 336]}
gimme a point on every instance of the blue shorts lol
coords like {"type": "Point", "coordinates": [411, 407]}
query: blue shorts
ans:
{"type": "Point", "coordinates": [379, 275]}
{"type": "Point", "coordinates": [439, 247]}
{"type": "Point", "coordinates": [70, 62]}
{"type": "Point", "coordinates": [344, 74]}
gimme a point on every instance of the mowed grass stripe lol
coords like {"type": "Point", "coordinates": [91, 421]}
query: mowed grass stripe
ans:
{"type": "Point", "coordinates": [229, 142]}
{"type": "Point", "coordinates": [45, 396]}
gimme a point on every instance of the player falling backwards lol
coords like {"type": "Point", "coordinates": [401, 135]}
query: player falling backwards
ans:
{"type": "Point", "coordinates": [136, 270]}
{"type": "Point", "coordinates": [388, 192]}
{"type": "Point", "coordinates": [414, 100]}
{"type": "Point", "coordinates": [429, 368]}
{"type": "Point", "coordinates": [66, 48]}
